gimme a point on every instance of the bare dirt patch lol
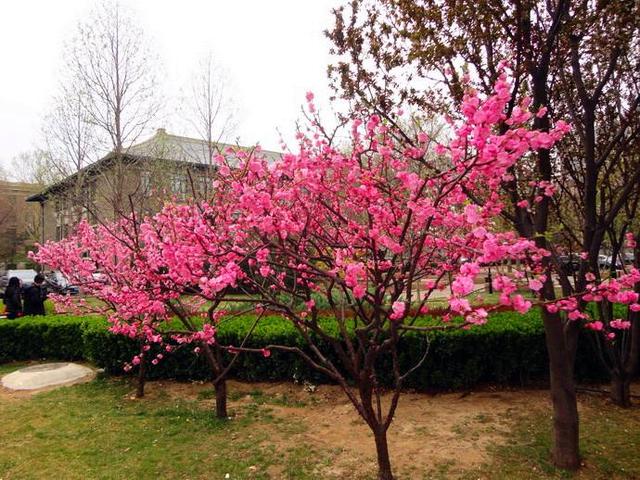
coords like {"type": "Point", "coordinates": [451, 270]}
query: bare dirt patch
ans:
{"type": "Point", "coordinates": [427, 433]}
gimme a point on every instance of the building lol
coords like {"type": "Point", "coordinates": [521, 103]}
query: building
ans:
{"type": "Point", "coordinates": [20, 222]}
{"type": "Point", "coordinates": [139, 181]}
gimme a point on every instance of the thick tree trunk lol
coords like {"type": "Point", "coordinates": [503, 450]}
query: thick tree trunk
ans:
{"type": "Point", "coordinates": [221, 399]}
{"type": "Point", "coordinates": [382, 451]}
{"type": "Point", "coordinates": [621, 390]}
{"type": "Point", "coordinates": [214, 359]}
{"type": "Point", "coordinates": [566, 449]}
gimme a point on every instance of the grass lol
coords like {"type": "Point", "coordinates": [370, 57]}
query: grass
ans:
{"type": "Point", "coordinates": [610, 438]}
{"type": "Point", "coordinates": [96, 431]}
{"type": "Point", "coordinates": [6, 368]}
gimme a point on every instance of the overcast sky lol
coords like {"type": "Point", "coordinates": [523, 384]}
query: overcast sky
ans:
{"type": "Point", "coordinates": [274, 51]}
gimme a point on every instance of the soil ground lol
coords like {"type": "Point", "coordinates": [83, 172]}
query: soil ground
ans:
{"type": "Point", "coordinates": [453, 431]}
{"type": "Point", "coordinates": [292, 431]}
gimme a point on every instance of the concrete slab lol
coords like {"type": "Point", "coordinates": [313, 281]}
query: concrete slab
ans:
{"type": "Point", "coordinates": [47, 375]}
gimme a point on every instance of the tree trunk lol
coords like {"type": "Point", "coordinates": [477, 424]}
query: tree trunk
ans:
{"type": "Point", "coordinates": [620, 390]}
{"type": "Point", "coordinates": [214, 359]}
{"type": "Point", "coordinates": [566, 448]}
{"type": "Point", "coordinates": [221, 399]}
{"type": "Point", "coordinates": [382, 451]}
{"type": "Point", "coordinates": [141, 379]}
{"type": "Point", "coordinates": [141, 374]}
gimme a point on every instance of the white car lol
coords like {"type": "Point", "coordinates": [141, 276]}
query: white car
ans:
{"type": "Point", "coordinates": [59, 284]}
{"type": "Point", "coordinates": [602, 260]}
{"type": "Point", "coordinates": [25, 276]}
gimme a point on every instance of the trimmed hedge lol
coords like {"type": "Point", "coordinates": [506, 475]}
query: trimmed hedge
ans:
{"type": "Point", "coordinates": [509, 350]}
{"type": "Point", "coordinates": [29, 338]}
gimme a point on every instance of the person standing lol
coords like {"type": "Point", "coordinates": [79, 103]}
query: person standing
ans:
{"type": "Point", "coordinates": [13, 299]}
{"type": "Point", "coordinates": [34, 297]}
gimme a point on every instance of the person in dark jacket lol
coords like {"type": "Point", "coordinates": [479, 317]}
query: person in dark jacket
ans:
{"type": "Point", "coordinates": [34, 297]}
{"type": "Point", "coordinates": [12, 298]}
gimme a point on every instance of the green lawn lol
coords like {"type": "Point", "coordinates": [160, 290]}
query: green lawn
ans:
{"type": "Point", "coordinates": [610, 438]}
{"type": "Point", "coordinates": [96, 431]}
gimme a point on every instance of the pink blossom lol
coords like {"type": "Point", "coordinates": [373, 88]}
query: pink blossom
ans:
{"type": "Point", "coordinates": [542, 111]}
{"type": "Point", "coordinates": [359, 291]}
{"type": "Point", "coordinates": [576, 315]}
{"type": "Point", "coordinates": [620, 324]}
{"type": "Point", "coordinates": [477, 317]}
{"type": "Point", "coordinates": [535, 285]}
{"type": "Point", "coordinates": [520, 304]}
{"type": "Point", "coordinates": [462, 285]}
{"type": "Point", "coordinates": [597, 325]}
{"type": "Point", "coordinates": [459, 305]}
{"type": "Point", "coordinates": [397, 308]}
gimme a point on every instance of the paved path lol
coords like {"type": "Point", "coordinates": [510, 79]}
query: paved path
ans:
{"type": "Point", "coordinates": [47, 375]}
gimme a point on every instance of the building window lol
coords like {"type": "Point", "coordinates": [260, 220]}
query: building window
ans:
{"type": "Point", "coordinates": [205, 184]}
{"type": "Point", "coordinates": [179, 185]}
{"type": "Point", "coordinates": [145, 182]}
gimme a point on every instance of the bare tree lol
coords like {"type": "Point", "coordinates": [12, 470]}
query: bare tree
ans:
{"type": "Point", "coordinates": [112, 66]}
{"type": "Point", "coordinates": [33, 166]}
{"type": "Point", "coordinates": [68, 132]}
{"type": "Point", "coordinates": [208, 109]}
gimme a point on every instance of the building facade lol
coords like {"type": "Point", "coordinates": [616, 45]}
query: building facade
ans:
{"type": "Point", "coordinates": [20, 222]}
{"type": "Point", "coordinates": [163, 168]}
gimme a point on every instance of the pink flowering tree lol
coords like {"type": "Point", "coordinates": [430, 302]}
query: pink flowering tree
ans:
{"type": "Point", "coordinates": [160, 281]}
{"type": "Point", "coordinates": [373, 230]}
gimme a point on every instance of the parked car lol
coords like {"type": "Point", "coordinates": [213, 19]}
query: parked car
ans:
{"type": "Point", "coordinates": [602, 260]}
{"type": "Point", "coordinates": [100, 277]}
{"type": "Point", "coordinates": [608, 262]}
{"type": "Point", "coordinates": [570, 264]}
{"type": "Point", "coordinates": [58, 283]}
{"type": "Point", "coordinates": [25, 276]}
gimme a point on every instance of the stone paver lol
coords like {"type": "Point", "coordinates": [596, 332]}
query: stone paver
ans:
{"type": "Point", "coordinates": [47, 375]}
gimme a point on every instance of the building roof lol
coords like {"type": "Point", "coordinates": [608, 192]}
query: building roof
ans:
{"type": "Point", "coordinates": [18, 188]}
{"type": "Point", "coordinates": [166, 146]}
{"type": "Point", "coordinates": [162, 146]}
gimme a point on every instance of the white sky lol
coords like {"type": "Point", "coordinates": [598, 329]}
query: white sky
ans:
{"type": "Point", "coordinates": [274, 51]}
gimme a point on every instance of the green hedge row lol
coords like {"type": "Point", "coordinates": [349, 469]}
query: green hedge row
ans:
{"type": "Point", "coordinates": [509, 350]}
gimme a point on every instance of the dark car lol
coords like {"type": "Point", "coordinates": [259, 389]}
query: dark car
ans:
{"type": "Point", "coordinates": [570, 264]}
